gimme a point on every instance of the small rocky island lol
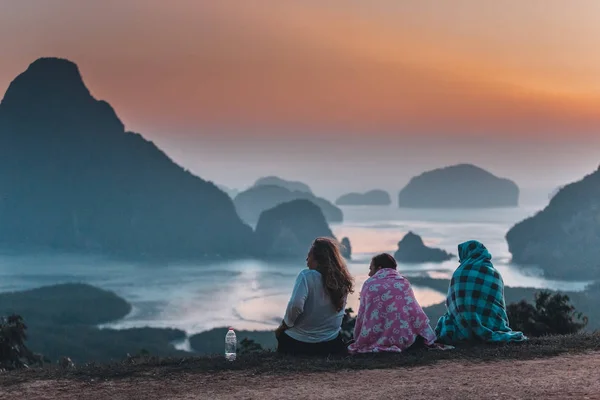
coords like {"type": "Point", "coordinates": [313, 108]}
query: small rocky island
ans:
{"type": "Point", "coordinates": [459, 186]}
{"type": "Point", "coordinates": [370, 198]}
{"type": "Point", "coordinates": [346, 248]}
{"type": "Point", "coordinates": [563, 240]}
{"type": "Point", "coordinates": [252, 202]}
{"type": "Point", "coordinates": [288, 230]}
{"type": "Point", "coordinates": [411, 249]}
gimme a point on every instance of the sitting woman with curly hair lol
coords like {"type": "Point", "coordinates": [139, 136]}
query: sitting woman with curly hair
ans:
{"type": "Point", "coordinates": [314, 314]}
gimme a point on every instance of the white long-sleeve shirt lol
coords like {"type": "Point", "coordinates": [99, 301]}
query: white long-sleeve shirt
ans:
{"type": "Point", "coordinates": [310, 313]}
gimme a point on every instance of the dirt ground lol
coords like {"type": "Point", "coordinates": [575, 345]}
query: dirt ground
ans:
{"type": "Point", "coordinates": [563, 377]}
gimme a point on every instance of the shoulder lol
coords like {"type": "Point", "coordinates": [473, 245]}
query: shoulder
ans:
{"type": "Point", "coordinates": [309, 272]}
{"type": "Point", "coordinates": [386, 274]}
{"type": "Point", "coordinates": [371, 284]}
{"type": "Point", "coordinates": [383, 276]}
{"type": "Point", "coordinates": [309, 275]}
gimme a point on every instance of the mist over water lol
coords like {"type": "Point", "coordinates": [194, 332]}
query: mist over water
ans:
{"type": "Point", "coordinates": [251, 294]}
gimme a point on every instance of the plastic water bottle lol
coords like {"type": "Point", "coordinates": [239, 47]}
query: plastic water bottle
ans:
{"type": "Point", "coordinates": [230, 345]}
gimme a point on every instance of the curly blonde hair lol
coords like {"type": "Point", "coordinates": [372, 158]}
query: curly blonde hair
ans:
{"type": "Point", "coordinates": [336, 278]}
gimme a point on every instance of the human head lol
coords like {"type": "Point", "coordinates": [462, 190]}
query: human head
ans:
{"type": "Point", "coordinates": [321, 251]}
{"type": "Point", "coordinates": [325, 256]}
{"type": "Point", "coordinates": [380, 261]}
{"type": "Point", "coordinates": [473, 249]}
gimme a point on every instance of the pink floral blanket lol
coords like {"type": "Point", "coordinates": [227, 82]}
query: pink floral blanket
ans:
{"type": "Point", "coordinates": [389, 316]}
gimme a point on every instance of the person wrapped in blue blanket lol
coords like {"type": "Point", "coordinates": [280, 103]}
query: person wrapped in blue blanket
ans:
{"type": "Point", "coordinates": [476, 308]}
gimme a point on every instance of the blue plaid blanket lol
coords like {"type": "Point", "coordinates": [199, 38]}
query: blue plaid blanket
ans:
{"type": "Point", "coordinates": [476, 309]}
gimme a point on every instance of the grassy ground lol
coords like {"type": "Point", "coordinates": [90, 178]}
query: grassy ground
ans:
{"type": "Point", "coordinates": [273, 364]}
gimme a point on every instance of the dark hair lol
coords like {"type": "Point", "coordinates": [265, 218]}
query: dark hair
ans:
{"type": "Point", "coordinates": [384, 260]}
{"type": "Point", "coordinates": [336, 278]}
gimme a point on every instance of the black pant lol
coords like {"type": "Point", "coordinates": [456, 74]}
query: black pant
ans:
{"type": "Point", "coordinates": [287, 345]}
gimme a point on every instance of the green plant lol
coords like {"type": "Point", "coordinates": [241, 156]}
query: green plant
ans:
{"type": "Point", "coordinates": [249, 346]}
{"type": "Point", "coordinates": [553, 314]}
{"type": "Point", "coordinates": [13, 351]}
{"type": "Point", "coordinates": [348, 323]}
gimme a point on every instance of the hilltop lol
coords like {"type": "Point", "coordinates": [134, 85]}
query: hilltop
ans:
{"type": "Point", "coordinates": [292, 186]}
{"type": "Point", "coordinates": [536, 369]}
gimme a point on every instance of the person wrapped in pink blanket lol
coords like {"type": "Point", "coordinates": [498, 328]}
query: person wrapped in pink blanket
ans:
{"type": "Point", "coordinates": [389, 317]}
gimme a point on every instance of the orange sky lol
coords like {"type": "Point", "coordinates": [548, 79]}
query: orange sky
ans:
{"type": "Point", "coordinates": [392, 66]}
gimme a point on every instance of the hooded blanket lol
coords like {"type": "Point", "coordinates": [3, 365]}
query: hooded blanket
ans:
{"type": "Point", "coordinates": [475, 304]}
{"type": "Point", "coordinates": [389, 317]}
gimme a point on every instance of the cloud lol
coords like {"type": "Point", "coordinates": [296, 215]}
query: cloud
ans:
{"type": "Point", "coordinates": [329, 66]}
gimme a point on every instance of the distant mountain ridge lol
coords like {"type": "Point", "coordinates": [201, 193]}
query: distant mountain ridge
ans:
{"type": "Point", "coordinates": [564, 238]}
{"type": "Point", "coordinates": [72, 178]}
{"type": "Point", "coordinates": [459, 186]}
{"type": "Point", "coordinates": [257, 199]}
{"type": "Point", "coordinates": [292, 186]}
{"type": "Point", "coordinates": [374, 197]}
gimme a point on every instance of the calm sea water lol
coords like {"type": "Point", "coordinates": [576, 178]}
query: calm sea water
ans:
{"type": "Point", "coordinates": [249, 294]}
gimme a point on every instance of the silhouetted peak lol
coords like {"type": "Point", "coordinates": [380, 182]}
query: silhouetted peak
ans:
{"type": "Point", "coordinates": [411, 249]}
{"type": "Point", "coordinates": [72, 179]}
{"type": "Point", "coordinates": [465, 166]}
{"type": "Point", "coordinates": [52, 92]}
{"type": "Point", "coordinates": [412, 238]}
{"type": "Point", "coordinates": [46, 79]}
{"type": "Point", "coordinates": [54, 65]}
